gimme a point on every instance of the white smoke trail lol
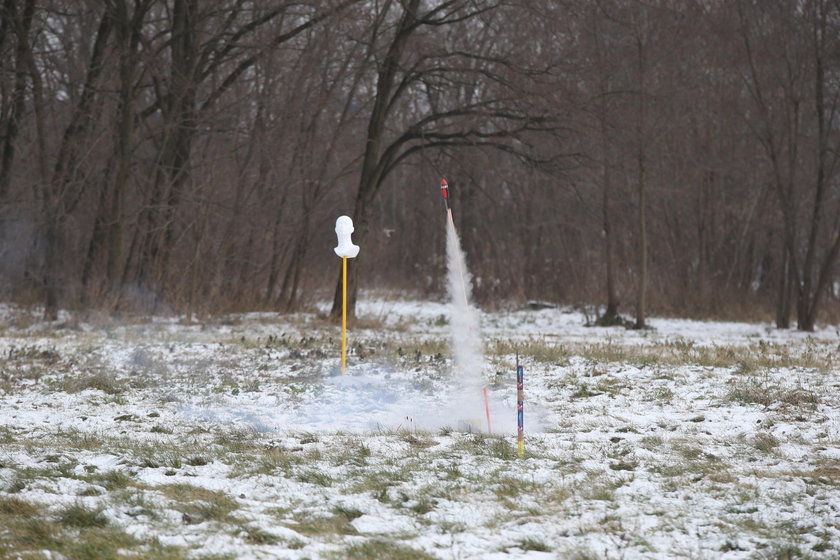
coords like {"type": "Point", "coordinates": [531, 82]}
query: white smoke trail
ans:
{"type": "Point", "coordinates": [466, 337]}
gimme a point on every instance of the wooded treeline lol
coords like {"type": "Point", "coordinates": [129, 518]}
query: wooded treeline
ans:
{"type": "Point", "coordinates": [669, 156]}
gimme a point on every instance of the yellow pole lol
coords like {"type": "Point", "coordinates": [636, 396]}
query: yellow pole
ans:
{"type": "Point", "coordinates": [343, 315]}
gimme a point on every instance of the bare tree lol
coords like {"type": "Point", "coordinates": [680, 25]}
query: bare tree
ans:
{"type": "Point", "coordinates": [192, 155]}
{"type": "Point", "coordinates": [406, 41]}
{"type": "Point", "coordinates": [19, 23]}
{"type": "Point", "coordinates": [208, 54]}
{"type": "Point", "coordinates": [793, 123]}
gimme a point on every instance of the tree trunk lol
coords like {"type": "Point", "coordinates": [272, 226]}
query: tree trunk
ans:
{"type": "Point", "coordinates": [610, 316]}
{"type": "Point", "coordinates": [288, 298]}
{"type": "Point", "coordinates": [98, 237]}
{"type": "Point", "coordinates": [641, 295]}
{"type": "Point", "coordinates": [21, 27]}
{"type": "Point", "coordinates": [372, 168]}
{"type": "Point", "coordinates": [174, 154]}
{"type": "Point", "coordinates": [783, 298]}
{"type": "Point", "coordinates": [54, 195]}
{"type": "Point", "coordinates": [128, 28]}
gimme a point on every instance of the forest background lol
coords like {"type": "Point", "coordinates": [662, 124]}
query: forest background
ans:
{"type": "Point", "coordinates": [634, 156]}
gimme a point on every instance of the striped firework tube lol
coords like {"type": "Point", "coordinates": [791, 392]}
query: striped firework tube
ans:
{"type": "Point", "coordinates": [520, 410]}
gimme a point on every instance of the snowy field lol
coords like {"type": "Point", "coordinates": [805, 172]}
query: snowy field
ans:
{"type": "Point", "coordinates": [237, 437]}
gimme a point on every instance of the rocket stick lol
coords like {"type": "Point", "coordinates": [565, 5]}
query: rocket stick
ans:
{"type": "Point", "coordinates": [487, 410]}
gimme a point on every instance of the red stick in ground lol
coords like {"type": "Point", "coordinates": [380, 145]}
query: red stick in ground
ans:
{"type": "Point", "coordinates": [487, 410]}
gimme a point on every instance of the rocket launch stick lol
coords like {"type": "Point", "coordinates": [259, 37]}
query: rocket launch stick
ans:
{"type": "Point", "coordinates": [520, 410]}
{"type": "Point", "coordinates": [487, 410]}
{"type": "Point", "coordinates": [444, 192]}
{"type": "Point", "coordinates": [345, 250]}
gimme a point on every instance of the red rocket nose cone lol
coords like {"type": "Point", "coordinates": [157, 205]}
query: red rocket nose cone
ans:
{"type": "Point", "coordinates": [443, 184]}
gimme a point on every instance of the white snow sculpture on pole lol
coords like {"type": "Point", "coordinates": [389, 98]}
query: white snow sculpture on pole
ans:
{"type": "Point", "coordinates": [345, 250]}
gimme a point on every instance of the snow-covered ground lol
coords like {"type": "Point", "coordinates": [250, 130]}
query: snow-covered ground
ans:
{"type": "Point", "coordinates": [237, 437]}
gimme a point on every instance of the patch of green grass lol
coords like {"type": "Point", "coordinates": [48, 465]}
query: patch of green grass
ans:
{"type": "Point", "coordinates": [380, 548]}
{"type": "Point", "coordinates": [766, 443]}
{"type": "Point", "coordinates": [511, 487]}
{"type": "Point", "coordinates": [583, 391]}
{"type": "Point", "coordinates": [237, 440]}
{"type": "Point", "coordinates": [77, 515]}
{"type": "Point", "coordinates": [686, 450]}
{"type": "Point", "coordinates": [167, 453]}
{"type": "Point", "coordinates": [332, 525]}
{"type": "Point", "coordinates": [351, 453]}
{"type": "Point", "coordinates": [482, 444]}
{"type": "Point", "coordinates": [76, 533]}
{"type": "Point", "coordinates": [827, 474]}
{"type": "Point", "coordinates": [541, 350]}
{"type": "Point", "coordinates": [138, 502]}
{"type": "Point", "coordinates": [500, 448]}
{"type": "Point", "coordinates": [750, 391]}
{"type": "Point", "coordinates": [7, 435]}
{"type": "Point", "coordinates": [610, 385]}
{"type": "Point", "coordinates": [90, 491]}
{"type": "Point", "coordinates": [199, 504]}
{"type": "Point", "coordinates": [687, 460]}
{"type": "Point", "coordinates": [744, 360]}
{"type": "Point", "coordinates": [102, 544]}
{"type": "Point", "coordinates": [100, 380]}
{"type": "Point", "coordinates": [72, 438]}
{"type": "Point", "coordinates": [314, 476]}
{"type": "Point", "coordinates": [197, 461]}
{"type": "Point", "coordinates": [785, 551]}
{"type": "Point", "coordinates": [112, 480]}
{"type": "Point", "coordinates": [378, 481]}
{"type": "Point", "coordinates": [258, 536]}
{"type": "Point", "coordinates": [60, 468]}
{"type": "Point", "coordinates": [271, 461]}
{"type": "Point", "coordinates": [99, 543]}
{"type": "Point", "coordinates": [601, 490]}
{"type": "Point", "coordinates": [660, 394]}
{"type": "Point", "coordinates": [408, 351]}
{"type": "Point", "coordinates": [417, 441]}
{"type": "Point", "coordinates": [555, 495]}
{"type": "Point", "coordinates": [348, 513]}
{"type": "Point", "coordinates": [422, 504]}
{"type": "Point", "coordinates": [754, 390]}
{"type": "Point", "coordinates": [798, 397]}
{"type": "Point", "coordinates": [624, 465]}
{"type": "Point", "coordinates": [651, 443]}
{"type": "Point", "coordinates": [15, 507]}
{"type": "Point", "coordinates": [168, 459]}
{"type": "Point", "coordinates": [671, 470]}
{"type": "Point", "coordinates": [532, 543]}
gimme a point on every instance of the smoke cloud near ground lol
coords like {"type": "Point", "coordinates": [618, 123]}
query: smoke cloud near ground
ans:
{"type": "Point", "coordinates": [373, 397]}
